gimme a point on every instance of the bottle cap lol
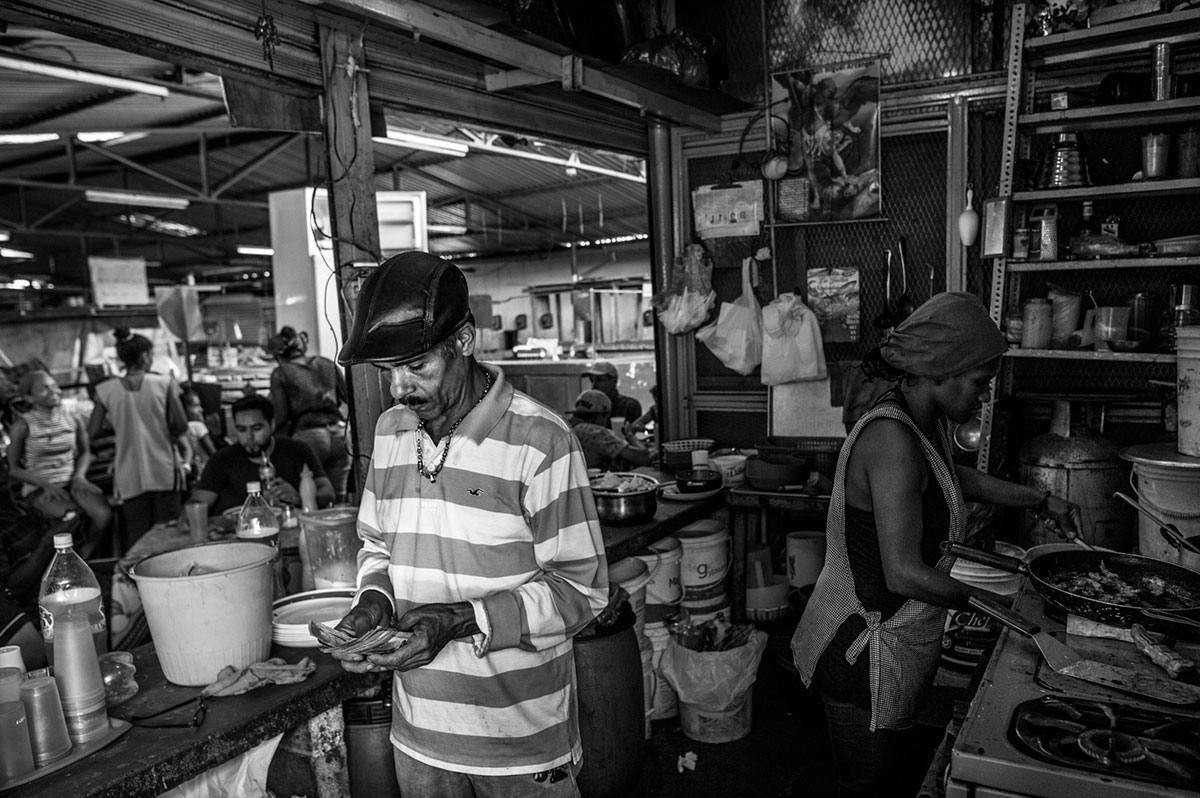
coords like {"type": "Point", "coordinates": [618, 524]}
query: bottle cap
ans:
{"type": "Point", "coordinates": [63, 540]}
{"type": "Point", "coordinates": [253, 487]}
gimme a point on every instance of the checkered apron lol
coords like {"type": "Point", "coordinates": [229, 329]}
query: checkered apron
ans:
{"type": "Point", "coordinates": [904, 650]}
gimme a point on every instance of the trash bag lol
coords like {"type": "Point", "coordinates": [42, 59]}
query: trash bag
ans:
{"type": "Point", "coordinates": [244, 776]}
{"type": "Point", "coordinates": [737, 337]}
{"type": "Point", "coordinates": [792, 346]}
{"type": "Point", "coordinates": [713, 680]}
{"type": "Point", "coordinates": [686, 302]}
{"type": "Point", "coordinates": [683, 53]}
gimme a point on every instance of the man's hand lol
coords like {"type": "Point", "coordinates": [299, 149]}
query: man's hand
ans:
{"type": "Point", "coordinates": [372, 610]}
{"type": "Point", "coordinates": [433, 626]}
{"type": "Point", "coordinates": [280, 491]}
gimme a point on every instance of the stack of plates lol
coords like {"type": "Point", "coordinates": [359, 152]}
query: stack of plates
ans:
{"type": "Point", "coordinates": [291, 615]}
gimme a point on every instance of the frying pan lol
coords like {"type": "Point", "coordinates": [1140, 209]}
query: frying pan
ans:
{"type": "Point", "coordinates": [1046, 570]}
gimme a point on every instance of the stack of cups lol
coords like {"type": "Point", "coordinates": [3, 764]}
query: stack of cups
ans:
{"type": "Point", "coordinates": [80, 684]}
{"type": "Point", "coordinates": [10, 657]}
{"type": "Point", "coordinates": [16, 753]}
{"type": "Point", "coordinates": [44, 713]}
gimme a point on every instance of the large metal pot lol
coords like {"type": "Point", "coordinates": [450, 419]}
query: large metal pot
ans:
{"type": "Point", "coordinates": [626, 507]}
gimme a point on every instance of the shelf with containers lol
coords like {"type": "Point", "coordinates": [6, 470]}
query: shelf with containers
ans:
{"type": "Point", "coordinates": [1081, 101]}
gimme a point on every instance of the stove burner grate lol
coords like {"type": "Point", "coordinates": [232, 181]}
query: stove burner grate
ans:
{"type": "Point", "coordinates": [1110, 738]}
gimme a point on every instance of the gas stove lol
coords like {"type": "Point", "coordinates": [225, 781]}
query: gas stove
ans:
{"type": "Point", "coordinates": [1034, 733]}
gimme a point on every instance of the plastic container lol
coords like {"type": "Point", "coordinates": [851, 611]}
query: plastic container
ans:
{"type": "Point", "coordinates": [1112, 323]}
{"type": "Point", "coordinates": [369, 761]}
{"type": "Point", "coordinates": [633, 575]}
{"type": "Point", "coordinates": [968, 636]}
{"type": "Point", "coordinates": [805, 557]}
{"type": "Point", "coordinates": [664, 591]}
{"type": "Point", "coordinates": [332, 541]}
{"type": "Point", "coordinates": [732, 468]}
{"type": "Point", "coordinates": [69, 586]}
{"type": "Point", "coordinates": [207, 607]}
{"type": "Point", "coordinates": [1036, 324]}
{"type": "Point", "coordinates": [1168, 484]}
{"type": "Point", "coordinates": [704, 566]}
{"type": "Point", "coordinates": [1187, 367]}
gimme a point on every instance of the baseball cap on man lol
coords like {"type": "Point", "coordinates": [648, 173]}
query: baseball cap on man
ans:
{"type": "Point", "coordinates": [407, 305]}
{"type": "Point", "coordinates": [592, 403]}
{"type": "Point", "coordinates": [602, 367]}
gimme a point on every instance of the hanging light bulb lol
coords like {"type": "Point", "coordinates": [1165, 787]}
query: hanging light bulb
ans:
{"type": "Point", "coordinates": [572, 164]}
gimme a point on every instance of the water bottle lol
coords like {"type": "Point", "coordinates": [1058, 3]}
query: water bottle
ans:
{"type": "Point", "coordinates": [308, 489]}
{"type": "Point", "coordinates": [70, 587]}
{"type": "Point", "coordinates": [266, 475]}
{"type": "Point", "coordinates": [258, 522]}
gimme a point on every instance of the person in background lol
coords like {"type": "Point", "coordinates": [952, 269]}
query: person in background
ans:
{"type": "Point", "coordinates": [642, 422]}
{"type": "Point", "coordinates": [148, 424]}
{"type": "Point", "coordinates": [870, 638]}
{"type": "Point", "coordinates": [603, 447]}
{"type": "Point", "coordinates": [480, 538]}
{"type": "Point", "coordinates": [222, 484]}
{"type": "Point", "coordinates": [309, 394]}
{"type": "Point", "coordinates": [604, 379]}
{"type": "Point", "coordinates": [51, 453]}
{"type": "Point", "coordinates": [198, 434]}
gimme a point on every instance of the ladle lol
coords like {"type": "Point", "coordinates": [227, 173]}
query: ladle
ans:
{"type": "Point", "coordinates": [884, 320]}
{"type": "Point", "coordinates": [904, 305]}
{"type": "Point", "coordinates": [1168, 531]}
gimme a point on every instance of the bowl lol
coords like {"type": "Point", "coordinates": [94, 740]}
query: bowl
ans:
{"type": "Point", "coordinates": [698, 480]}
{"type": "Point", "coordinates": [621, 507]}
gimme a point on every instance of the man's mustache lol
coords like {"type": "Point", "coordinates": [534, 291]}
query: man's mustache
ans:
{"type": "Point", "coordinates": [412, 401]}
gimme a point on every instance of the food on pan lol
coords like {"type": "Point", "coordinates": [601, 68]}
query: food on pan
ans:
{"type": "Point", "coordinates": [1147, 590]}
{"type": "Point", "coordinates": [614, 482]}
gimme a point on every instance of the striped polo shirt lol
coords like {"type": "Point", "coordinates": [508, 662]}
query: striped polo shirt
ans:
{"type": "Point", "coordinates": [510, 526]}
{"type": "Point", "coordinates": [50, 447]}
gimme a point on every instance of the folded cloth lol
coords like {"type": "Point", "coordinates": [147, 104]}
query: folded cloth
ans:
{"type": "Point", "coordinates": [235, 681]}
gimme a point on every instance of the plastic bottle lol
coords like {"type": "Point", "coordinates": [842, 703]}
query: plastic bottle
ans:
{"type": "Point", "coordinates": [266, 476]}
{"type": "Point", "coordinates": [308, 489]}
{"type": "Point", "coordinates": [258, 522]}
{"type": "Point", "coordinates": [69, 586]}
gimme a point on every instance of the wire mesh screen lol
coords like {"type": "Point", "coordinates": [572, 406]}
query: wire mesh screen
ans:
{"type": "Point", "coordinates": [922, 39]}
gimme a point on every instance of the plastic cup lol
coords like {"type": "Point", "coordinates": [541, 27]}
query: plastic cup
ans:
{"type": "Point", "coordinates": [47, 726]}
{"type": "Point", "coordinates": [197, 521]}
{"type": "Point", "coordinates": [80, 684]}
{"type": "Point", "coordinates": [699, 458]}
{"type": "Point", "coordinates": [16, 752]}
{"type": "Point", "coordinates": [1112, 323]}
{"type": "Point", "coordinates": [11, 657]}
{"type": "Point", "coordinates": [331, 537]}
{"type": "Point", "coordinates": [10, 684]}
{"type": "Point", "coordinates": [618, 424]}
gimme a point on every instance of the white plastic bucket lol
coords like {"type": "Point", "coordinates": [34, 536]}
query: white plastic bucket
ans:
{"type": "Point", "coordinates": [703, 569]}
{"type": "Point", "coordinates": [666, 700]}
{"type": "Point", "coordinates": [663, 591]}
{"type": "Point", "coordinates": [1173, 494]}
{"type": "Point", "coordinates": [633, 575]}
{"type": "Point", "coordinates": [207, 607]}
{"type": "Point", "coordinates": [1187, 367]}
{"type": "Point", "coordinates": [732, 468]}
{"type": "Point", "coordinates": [805, 557]}
{"type": "Point", "coordinates": [721, 725]}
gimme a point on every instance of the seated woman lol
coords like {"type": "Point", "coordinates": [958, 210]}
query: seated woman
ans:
{"type": "Point", "coordinates": [602, 447]}
{"type": "Point", "coordinates": [50, 453]}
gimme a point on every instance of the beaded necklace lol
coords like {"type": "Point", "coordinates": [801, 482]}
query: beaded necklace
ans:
{"type": "Point", "coordinates": [432, 475]}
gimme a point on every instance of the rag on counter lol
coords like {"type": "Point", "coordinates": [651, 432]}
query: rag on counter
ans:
{"type": "Point", "coordinates": [235, 681]}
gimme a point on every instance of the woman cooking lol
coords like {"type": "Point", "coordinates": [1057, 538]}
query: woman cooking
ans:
{"type": "Point", "coordinates": [869, 640]}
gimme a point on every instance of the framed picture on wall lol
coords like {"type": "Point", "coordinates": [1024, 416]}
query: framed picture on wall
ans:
{"type": "Point", "coordinates": [828, 127]}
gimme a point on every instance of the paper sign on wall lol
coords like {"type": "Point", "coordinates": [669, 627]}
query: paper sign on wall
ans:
{"type": "Point", "coordinates": [118, 281]}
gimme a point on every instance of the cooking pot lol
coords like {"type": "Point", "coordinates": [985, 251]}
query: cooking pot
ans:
{"type": "Point", "coordinates": [698, 480]}
{"type": "Point", "coordinates": [627, 507]}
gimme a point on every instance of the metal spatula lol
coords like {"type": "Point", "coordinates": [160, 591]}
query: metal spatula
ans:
{"type": "Point", "coordinates": [1065, 660]}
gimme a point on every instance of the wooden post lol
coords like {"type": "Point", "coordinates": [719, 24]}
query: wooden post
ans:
{"type": "Point", "coordinates": [352, 214]}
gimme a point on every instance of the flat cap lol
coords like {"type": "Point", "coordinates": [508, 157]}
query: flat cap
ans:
{"type": "Point", "coordinates": [407, 305]}
{"type": "Point", "coordinates": [602, 367]}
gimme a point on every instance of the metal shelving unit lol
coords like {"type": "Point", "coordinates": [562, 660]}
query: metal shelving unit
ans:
{"type": "Point", "coordinates": [1033, 66]}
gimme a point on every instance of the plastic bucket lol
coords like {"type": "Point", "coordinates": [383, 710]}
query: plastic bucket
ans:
{"type": "Point", "coordinates": [663, 591]}
{"type": "Point", "coordinates": [1173, 494]}
{"type": "Point", "coordinates": [720, 725]}
{"type": "Point", "coordinates": [1187, 367]}
{"type": "Point", "coordinates": [732, 468]}
{"type": "Point", "coordinates": [703, 569]}
{"type": "Point", "coordinates": [968, 636]}
{"type": "Point", "coordinates": [208, 606]}
{"type": "Point", "coordinates": [805, 557]}
{"type": "Point", "coordinates": [666, 700]}
{"type": "Point", "coordinates": [633, 575]}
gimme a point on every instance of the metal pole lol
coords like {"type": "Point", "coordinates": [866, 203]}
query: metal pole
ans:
{"type": "Point", "coordinates": [662, 254]}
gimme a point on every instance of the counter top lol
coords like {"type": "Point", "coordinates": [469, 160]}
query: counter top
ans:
{"type": "Point", "coordinates": [626, 540]}
{"type": "Point", "coordinates": [147, 761]}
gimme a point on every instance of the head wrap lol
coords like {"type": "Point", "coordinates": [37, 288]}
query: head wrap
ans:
{"type": "Point", "coordinates": [949, 334]}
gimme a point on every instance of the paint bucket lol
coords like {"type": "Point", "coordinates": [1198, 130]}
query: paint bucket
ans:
{"type": "Point", "coordinates": [732, 468]}
{"type": "Point", "coordinates": [1168, 485]}
{"type": "Point", "coordinates": [718, 725]}
{"type": "Point", "coordinates": [208, 606]}
{"type": "Point", "coordinates": [703, 569]}
{"type": "Point", "coordinates": [968, 636]}
{"type": "Point", "coordinates": [663, 591]}
{"type": "Point", "coordinates": [805, 557]}
{"type": "Point", "coordinates": [666, 701]}
{"type": "Point", "coordinates": [1187, 367]}
{"type": "Point", "coordinates": [633, 575]}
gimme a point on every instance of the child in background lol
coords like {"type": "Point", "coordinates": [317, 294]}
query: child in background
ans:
{"type": "Point", "coordinates": [197, 435]}
{"type": "Point", "coordinates": [51, 453]}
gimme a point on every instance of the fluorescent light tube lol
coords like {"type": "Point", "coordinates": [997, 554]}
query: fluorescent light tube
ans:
{"type": "Point", "coordinates": [63, 72]}
{"type": "Point", "coordinates": [419, 141]}
{"type": "Point", "coordinates": [244, 249]}
{"type": "Point", "coordinates": [448, 229]}
{"type": "Point", "coordinates": [4, 236]}
{"type": "Point", "coordinates": [117, 197]}
{"type": "Point", "coordinates": [27, 138]}
{"type": "Point", "coordinates": [17, 254]}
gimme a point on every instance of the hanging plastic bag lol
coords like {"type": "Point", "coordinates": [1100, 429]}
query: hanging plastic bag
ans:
{"type": "Point", "coordinates": [792, 346]}
{"type": "Point", "coordinates": [685, 303]}
{"type": "Point", "coordinates": [736, 337]}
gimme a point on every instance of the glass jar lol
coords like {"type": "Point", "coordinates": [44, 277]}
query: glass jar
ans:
{"type": "Point", "coordinates": [1036, 324]}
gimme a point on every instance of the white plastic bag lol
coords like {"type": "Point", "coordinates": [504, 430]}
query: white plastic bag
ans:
{"type": "Point", "coordinates": [684, 304]}
{"type": "Point", "coordinates": [736, 336]}
{"type": "Point", "coordinates": [244, 776]}
{"type": "Point", "coordinates": [792, 346]}
{"type": "Point", "coordinates": [713, 680]}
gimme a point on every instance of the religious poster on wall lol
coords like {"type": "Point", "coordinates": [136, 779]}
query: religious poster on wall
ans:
{"type": "Point", "coordinates": [720, 211]}
{"type": "Point", "coordinates": [828, 125]}
{"type": "Point", "coordinates": [833, 296]}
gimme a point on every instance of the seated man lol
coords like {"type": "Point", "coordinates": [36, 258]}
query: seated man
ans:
{"type": "Point", "coordinates": [602, 447]}
{"type": "Point", "coordinates": [223, 483]}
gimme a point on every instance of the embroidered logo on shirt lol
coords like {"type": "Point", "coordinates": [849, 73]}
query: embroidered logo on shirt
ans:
{"type": "Point", "coordinates": [474, 491]}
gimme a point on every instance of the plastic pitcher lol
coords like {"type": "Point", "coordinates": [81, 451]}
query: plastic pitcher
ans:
{"type": "Point", "coordinates": [331, 538]}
